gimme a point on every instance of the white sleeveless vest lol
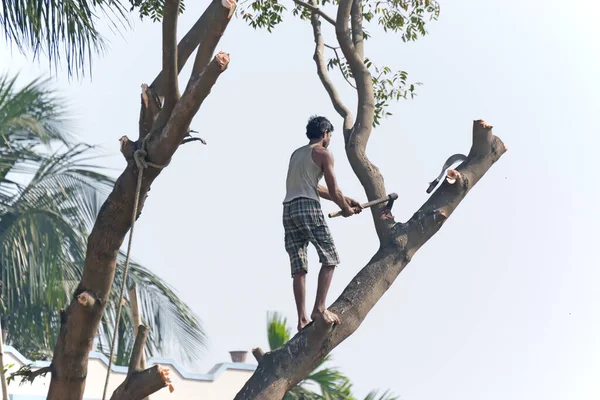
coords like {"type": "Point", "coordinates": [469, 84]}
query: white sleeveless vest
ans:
{"type": "Point", "coordinates": [303, 175]}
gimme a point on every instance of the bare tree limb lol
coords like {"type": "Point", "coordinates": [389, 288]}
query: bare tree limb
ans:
{"type": "Point", "coordinates": [356, 19]}
{"type": "Point", "coordinates": [212, 37]}
{"type": "Point", "coordinates": [258, 354]}
{"type": "Point", "coordinates": [192, 39]}
{"type": "Point", "coordinates": [315, 9]}
{"type": "Point", "coordinates": [137, 354]}
{"type": "Point", "coordinates": [29, 375]}
{"type": "Point", "coordinates": [319, 58]}
{"type": "Point", "coordinates": [139, 383]}
{"type": "Point", "coordinates": [142, 384]}
{"type": "Point", "coordinates": [137, 326]}
{"type": "Point", "coordinates": [193, 139]}
{"type": "Point", "coordinates": [283, 368]}
{"type": "Point", "coordinates": [149, 110]}
{"type": "Point", "coordinates": [169, 62]}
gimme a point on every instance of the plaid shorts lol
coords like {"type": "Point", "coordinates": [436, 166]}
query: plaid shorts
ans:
{"type": "Point", "coordinates": [303, 222]}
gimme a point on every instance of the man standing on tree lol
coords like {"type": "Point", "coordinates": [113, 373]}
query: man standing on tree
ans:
{"type": "Point", "coordinates": [303, 220]}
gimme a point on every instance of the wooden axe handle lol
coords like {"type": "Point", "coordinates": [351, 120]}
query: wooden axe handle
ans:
{"type": "Point", "coordinates": [391, 196]}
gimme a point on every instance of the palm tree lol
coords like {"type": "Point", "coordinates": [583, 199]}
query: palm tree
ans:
{"type": "Point", "coordinates": [332, 384]}
{"type": "Point", "coordinates": [49, 198]}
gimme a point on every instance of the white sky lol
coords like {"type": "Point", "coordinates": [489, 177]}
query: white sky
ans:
{"type": "Point", "coordinates": [501, 303]}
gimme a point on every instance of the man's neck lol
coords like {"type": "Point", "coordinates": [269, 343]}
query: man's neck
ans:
{"type": "Point", "coordinates": [316, 141]}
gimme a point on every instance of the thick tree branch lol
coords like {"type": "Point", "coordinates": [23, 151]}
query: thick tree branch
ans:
{"type": "Point", "coordinates": [140, 383]}
{"type": "Point", "coordinates": [358, 137]}
{"type": "Point", "coordinates": [319, 58]}
{"type": "Point", "coordinates": [314, 9]}
{"type": "Point", "coordinates": [283, 368]}
{"type": "Point", "coordinates": [212, 37]}
{"type": "Point", "coordinates": [137, 354]}
{"type": "Point", "coordinates": [356, 19]}
{"type": "Point", "coordinates": [169, 61]}
{"type": "Point", "coordinates": [192, 39]}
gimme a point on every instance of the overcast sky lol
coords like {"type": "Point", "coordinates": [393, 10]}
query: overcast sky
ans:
{"type": "Point", "coordinates": [501, 304]}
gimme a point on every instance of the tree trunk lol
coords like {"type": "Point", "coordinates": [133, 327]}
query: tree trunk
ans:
{"type": "Point", "coordinates": [162, 129]}
{"type": "Point", "coordinates": [140, 383]}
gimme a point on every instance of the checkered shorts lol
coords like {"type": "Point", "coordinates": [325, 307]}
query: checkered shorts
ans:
{"type": "Point", "coordinates": [303, 222]}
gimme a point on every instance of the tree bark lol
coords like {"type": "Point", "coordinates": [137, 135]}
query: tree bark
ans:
{"type": "Point", "coordinates": [80, 321]}
{"type": "Point", "coordinates": [140, 383]}
{"type": "Point", "coordinates": [282, 369]}
{"type": "Point", "coordinates": [137, 322]}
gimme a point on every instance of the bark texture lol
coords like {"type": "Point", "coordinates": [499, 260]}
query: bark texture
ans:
{"type": "Point", "coordinates": [140, 382]}
{"type": "Point", "coordinates": [280, 370]}
{"type": "Point", "coordinates": [167, 126]}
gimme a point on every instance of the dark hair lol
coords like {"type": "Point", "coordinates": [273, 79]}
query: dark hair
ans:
{"type": "Point", "coordinates": [317, 126]}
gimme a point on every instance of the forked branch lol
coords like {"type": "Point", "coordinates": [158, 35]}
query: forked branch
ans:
{"type": "Point", "coordinates": [190, 42]}
{"type": "Point", "coordinates": [169, 61]}
{"type": "Point", "coordinates": [212, 36]}
{"type": "Point", "coordinates": [197, 90]}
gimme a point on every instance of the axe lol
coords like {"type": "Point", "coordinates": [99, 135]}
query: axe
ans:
{"type": "Point", "coordinates": [390, 197]}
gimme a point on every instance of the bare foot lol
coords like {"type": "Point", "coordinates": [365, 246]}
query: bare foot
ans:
{"type": "Point", "coordinates": [302, 322]}
{"type": "Point", "coordinates": [329, 317]}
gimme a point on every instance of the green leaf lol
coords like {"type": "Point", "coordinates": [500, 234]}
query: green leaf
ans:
{"type": "Point", "coordinates": [277, 330]}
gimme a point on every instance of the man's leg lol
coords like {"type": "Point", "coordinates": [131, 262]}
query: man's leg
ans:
{"type": "Point", "coordinates": [320, 309]}
{"type": "Point", "coordinates": [300, 297]}
{"type": "Point", "coordinates": [296, 245]}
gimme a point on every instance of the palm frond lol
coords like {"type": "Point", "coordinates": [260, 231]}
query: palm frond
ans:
{"type": "Point", "coordinates": [29, 117]}
{"type": "Point", "coordinates": [60, 29]}
{"type": "Point", "coordinates": [331, 382]}
{"type": "Point", "coordinates": [387, 395]}
{"type": "Point", "coordinates": [278, 332]}
{"type": "Point", "coordinates": [299, 392]}
{"type": "Point", "coordinates": [174, 329]}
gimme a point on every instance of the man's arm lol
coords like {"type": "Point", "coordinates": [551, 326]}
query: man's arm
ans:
{"type": "Point", "coordinates": [334, 192]}
{"type": "Point", "coordinates": [323, 192]}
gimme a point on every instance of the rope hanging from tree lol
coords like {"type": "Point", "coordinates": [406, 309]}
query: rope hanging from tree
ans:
{"type": "Point", "coordinates": [140, 160]}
